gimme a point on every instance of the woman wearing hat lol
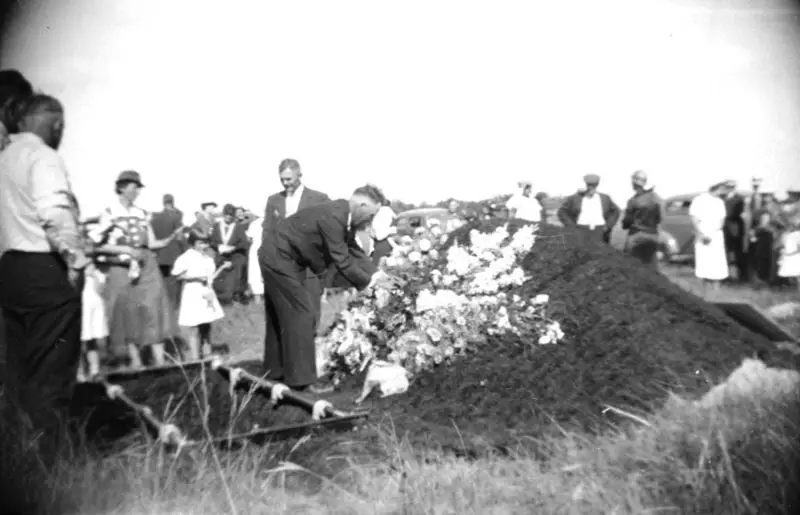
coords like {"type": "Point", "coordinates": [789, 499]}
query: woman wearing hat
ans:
{"type": "Point", "coordinates": [138, 306]}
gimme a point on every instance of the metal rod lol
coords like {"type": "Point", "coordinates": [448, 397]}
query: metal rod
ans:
{"type": "Point", "coordinates": [264, 386]}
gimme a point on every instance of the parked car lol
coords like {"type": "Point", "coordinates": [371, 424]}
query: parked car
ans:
{"type": "Point", "coordinates": [409, 221]}
{"type": "Point", "coordinates": [677, 231]}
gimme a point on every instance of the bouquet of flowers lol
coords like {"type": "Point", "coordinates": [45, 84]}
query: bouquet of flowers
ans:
{"type": "Point", "coordinates": [447, 305]}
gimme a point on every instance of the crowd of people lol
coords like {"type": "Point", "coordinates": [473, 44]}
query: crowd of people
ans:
{"type": "Point", "coordinates": [120, 286]}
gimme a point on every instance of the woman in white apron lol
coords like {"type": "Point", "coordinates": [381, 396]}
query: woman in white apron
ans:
{"type": "Point", "coordinates": [253, 268]}
{"type": "Point", "coordinates": [708, 216]}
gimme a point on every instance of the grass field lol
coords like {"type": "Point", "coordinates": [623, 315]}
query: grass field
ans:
{"type": "Point", "coordinates": [684, 459]}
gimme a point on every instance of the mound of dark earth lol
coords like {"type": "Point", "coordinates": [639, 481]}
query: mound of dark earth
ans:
{"type": "Point", "coordinates": [631, 336]}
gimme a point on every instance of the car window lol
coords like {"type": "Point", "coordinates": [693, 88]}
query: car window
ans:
{"type": "Point", "coordinates": [415, 221]}
{"type": "Point", "coordinates": [678, 206]}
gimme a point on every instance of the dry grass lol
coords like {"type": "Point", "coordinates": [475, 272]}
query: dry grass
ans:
{"type": "Point", "coordinates": [736, 457]}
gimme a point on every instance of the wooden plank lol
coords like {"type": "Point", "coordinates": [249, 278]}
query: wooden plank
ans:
{"type": "Point", "coordinates": [127, 374]}
{"type": "Point", "coordinates": [752, 318]}
{"type": "Point", "coordinates": [290, 431]}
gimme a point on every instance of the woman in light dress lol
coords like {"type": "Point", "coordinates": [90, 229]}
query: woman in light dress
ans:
{"type": "Point", "coordinates": [254, 280]}
{"type": "Point", "coordinates": [199, 304]}
{"type": "Point", "coordinates": [789, 264]}
{"type": "Point", "coordinates": [708, 217]}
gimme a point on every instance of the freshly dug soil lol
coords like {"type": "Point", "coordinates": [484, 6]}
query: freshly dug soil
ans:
{"type": "Point", "coordinates": [631, 335]}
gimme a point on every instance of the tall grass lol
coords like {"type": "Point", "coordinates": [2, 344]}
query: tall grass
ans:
{"type": "Point", "coordinates": [736, 456]}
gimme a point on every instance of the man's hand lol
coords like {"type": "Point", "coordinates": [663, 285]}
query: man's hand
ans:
{"type": "Point", "coordinates": [75, 270]}
{"type": "Point", "coordinates": [384, 280]}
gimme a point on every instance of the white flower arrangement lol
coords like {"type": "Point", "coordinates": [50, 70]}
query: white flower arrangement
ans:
{"type": "Point", "coordinates": [453, 306]}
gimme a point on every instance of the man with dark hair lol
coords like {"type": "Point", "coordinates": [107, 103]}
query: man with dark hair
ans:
{"type": "Point", "coordinates": [14, 89]}
{"type": "Point", "coordinates": [41, 272]}
{"type": "Point", "coordinates": [166, 223]}
{"type": "Point", "coordinates": [294, 197]}
{"type": "Point", "coordinates": [315, 238]}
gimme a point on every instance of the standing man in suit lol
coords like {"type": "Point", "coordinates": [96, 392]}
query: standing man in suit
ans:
{"type": "Point", "coordinates": [166, 223]}
{"type": "Point", "coordinates": [315, 238]}
{"type": "Point", "coordinates": [734, 231]}
{"type": "Point", "coordinates": [294, 197]}
{"type": "Point", "coordinates": [592, 212]}
{"type": "Point", "coordinates": [229, 239]}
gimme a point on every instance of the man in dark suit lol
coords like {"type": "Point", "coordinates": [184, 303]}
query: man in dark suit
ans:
{"type": "Point", "coordinates": [592, 212]}
{"type": "Point", "coordinates": [229, 239]}
{"type": "Point", "coordinates": [734, 231]}
{"type": "Point", "coordinates": [166, 223]}
{"type": "Point", "coordinates": [314, 238]}
{"type": "Point", "coordinates": [294, 197]}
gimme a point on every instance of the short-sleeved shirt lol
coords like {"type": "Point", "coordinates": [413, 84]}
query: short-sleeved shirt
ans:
{"type": "Point", "coordinates": [120, 225]}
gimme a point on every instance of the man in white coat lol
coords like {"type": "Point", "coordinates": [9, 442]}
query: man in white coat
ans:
{"type": "Point", "coordinates": [708, 217]}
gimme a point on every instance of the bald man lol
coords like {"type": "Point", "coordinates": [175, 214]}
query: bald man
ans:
{"type": "Point", "coordinates": [41, 272]}
{"type": "Point", "coordinates": [642, 219]}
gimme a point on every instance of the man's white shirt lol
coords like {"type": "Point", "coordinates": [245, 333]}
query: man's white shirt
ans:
{"type": "Point", "coordinates": [293, 200]}
{"type": "Point", "coordinates": [591, 212]}
{"type": "Point", "coordinates": [527, 208]}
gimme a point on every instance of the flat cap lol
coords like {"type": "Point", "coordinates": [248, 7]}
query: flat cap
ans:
{"type": "Point", "coordinates": [130, 176]}
{"type": "Point", "coordinates": [591, 179]}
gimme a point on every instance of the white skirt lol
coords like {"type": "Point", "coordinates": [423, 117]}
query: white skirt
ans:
{"type": "Point", "coordinates": [710, 259]}
{"type": "Point", "coordinates": [199, 305]}
{"type": "Point", "coordinates": [94, 323]}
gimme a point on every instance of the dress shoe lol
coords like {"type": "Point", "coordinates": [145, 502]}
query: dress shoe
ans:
{"type": "Point", "coordinates": [318, 389]}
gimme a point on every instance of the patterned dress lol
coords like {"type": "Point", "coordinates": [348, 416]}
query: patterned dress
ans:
{"type": "Point", "coordinates": [138, 306]}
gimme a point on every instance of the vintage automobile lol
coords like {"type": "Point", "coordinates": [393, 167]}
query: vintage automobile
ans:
{"type": "Point", "coordinates": [676, 232]}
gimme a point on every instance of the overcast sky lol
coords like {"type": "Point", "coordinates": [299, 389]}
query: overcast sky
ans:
{"type": "Point", "coordinates": [428, 99]}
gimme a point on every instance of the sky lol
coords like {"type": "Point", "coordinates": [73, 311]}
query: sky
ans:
{"type": "Point", "coordinates": [428, 99]}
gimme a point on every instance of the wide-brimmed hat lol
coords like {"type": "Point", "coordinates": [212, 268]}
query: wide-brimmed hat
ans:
{"type": "Point", "coordinates": [130, 176]}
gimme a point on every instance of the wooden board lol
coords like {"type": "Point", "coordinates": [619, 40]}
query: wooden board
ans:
{"type": "Point", "coordinates": [752, 318]}
{"type": "Point", "coordinates": [291, 431]}
{"type": "Point", "coordinates": [124, 374]}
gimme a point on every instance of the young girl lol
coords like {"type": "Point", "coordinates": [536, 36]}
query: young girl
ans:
{"type": "Point", "coordinates": [789, 265]}
{"type": "Point", "coordinates": [94, 324]}
{"type": "Point", "coordinates": [199, 304]}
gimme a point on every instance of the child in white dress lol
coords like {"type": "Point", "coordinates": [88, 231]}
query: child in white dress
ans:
{"type": "Point", "coordinates": [199, 304]}
{"type": "Point", "coordinates": [789, 264]}
{"type": "Point", "coordinates": [94, 324]}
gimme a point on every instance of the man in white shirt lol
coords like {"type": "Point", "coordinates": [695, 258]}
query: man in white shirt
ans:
{"type": "Point", "coordinates": [523, 205]}
{"type": "Point", "coordinates": [294, 197]}
{"type": "Point", "coordinates": [593, 213]}
{"type": "Point", "coordinates": [41, 272]}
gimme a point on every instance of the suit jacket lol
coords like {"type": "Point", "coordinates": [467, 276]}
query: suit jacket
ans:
{"type": "Point", "coordinates": [165, 223]}
{"type": "Point", "coordinates": [317, 238]}
{"type": "Point", "coordinates": [734, 210]}
{"type": "Point", "coordinates": [276, 206]}
{"type": "Point", "coordinates": [570, 210]}
{"type": "Point", "coordinates": [238, 238]}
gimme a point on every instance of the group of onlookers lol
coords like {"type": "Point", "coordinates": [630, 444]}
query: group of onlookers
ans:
{"type": "Point", "coordinates": [759, 238]}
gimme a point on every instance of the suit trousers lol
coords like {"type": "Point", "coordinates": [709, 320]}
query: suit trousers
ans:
{"type": "Point", "coordinates": [42, 314]}
{"type": "Point", "coordinates": [289, 345]}
{"type": "Point", "coordinates": [597, 234]}
{"type": "Point", "coordinates": [644, 247]}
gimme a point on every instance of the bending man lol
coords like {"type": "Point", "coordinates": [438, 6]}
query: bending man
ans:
{"type": "Point", "coordinates": [314, 238]}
